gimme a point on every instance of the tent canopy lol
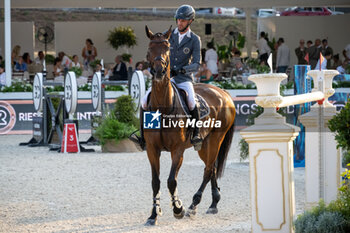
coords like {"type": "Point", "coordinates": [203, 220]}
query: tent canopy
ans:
{"type": "Point", "coordinates": [171, 3]}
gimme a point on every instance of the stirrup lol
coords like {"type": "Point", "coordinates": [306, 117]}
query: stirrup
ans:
{"type": "Point", "coordinates": [138, 141]}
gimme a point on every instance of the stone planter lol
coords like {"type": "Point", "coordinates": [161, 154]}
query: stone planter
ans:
{"type": "Point", "coordinates": [124, 146]}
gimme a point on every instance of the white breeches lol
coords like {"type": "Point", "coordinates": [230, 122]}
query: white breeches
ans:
{"type": "Point", "coordinates": [187, 86]}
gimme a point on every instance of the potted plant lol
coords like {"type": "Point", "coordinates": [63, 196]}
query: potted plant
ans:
{"type": "Point", "coordinates": [340, 124]}
{"type": "Point", "coordinates": [117, 126]}
{"type": "Point", "coordinates": [224, 55]}
{"type": "Point", "coordinates": [122, 36]}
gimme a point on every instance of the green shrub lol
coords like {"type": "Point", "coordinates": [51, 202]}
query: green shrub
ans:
{"type": "Point", "coordinates": [77, 70]}
{"type": "Point", "coordinates": [111, 128]}
{"type": "Point", "coordinates": [340, 124]}
{"type": "Point", "coordinates": [124, 110]}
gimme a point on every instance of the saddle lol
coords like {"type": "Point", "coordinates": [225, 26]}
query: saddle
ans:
{"type": "Point", "coordinates": [181, 95]}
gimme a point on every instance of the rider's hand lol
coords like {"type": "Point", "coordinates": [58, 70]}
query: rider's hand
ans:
{"type": "Point", "coordinates": [173, 73]}
{"type": "Point", "coordinates": [182, 71]}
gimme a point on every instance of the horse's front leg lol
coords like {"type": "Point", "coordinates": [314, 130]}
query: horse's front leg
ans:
{"type": "Point", "coordinates": [178, 208]}
{"type": "Point", "coordinates": [153, 157]}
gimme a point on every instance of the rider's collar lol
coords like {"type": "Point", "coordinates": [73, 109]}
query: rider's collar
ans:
{"type": "Point", "coordinates": [188, 33]}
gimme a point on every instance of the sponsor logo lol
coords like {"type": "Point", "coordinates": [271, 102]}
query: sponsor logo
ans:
{"type": "Point", "coordinates": [151, 120]}
{"type": "Point", "coordinates": [7, 117]}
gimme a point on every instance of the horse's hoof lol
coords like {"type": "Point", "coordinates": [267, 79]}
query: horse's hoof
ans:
{"type": "Point", "coordinates": [191, 213]}
{"type": "Point", "coordinates": [151, 222]}
{"type": "Point", "coordinates": [212, 211]}
{"type": "Point", "coordinates": [181, 214]}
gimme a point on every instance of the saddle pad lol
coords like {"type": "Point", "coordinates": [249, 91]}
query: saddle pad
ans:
{"type": "Point", "coordinates": [202, 105]}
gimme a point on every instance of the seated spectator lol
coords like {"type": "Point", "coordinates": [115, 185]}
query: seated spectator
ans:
{"type": "Point", "coordinates": [57, 68]}
{"type": "Point", "coordinates": [15, 54]}
{"type": "Point", "coordinates": [65, 60]}
{"type": "Point", "coordinates": [2, 76]}
{"type": "Point", "coordinates": [139, 66]}
{"type": "Point", "coordinates": [75, 62]}
{"type": "Point", "coordinates": [236, 61]}
{"type": "Point", "coordinates": [327, 56]}
{"type": "Point", "coordinates": [119, 71]}
{"type": "Point", "coordinates": [40, 58]}
{"type": "Point", "coordinates": [20, 65]}
{"type": "Point", "coordinates": [204, 75]}
{"type": "Point", "coordinates": [342, 67]}
{"type": "Point", "coordinates": [336, 62]}
{"type": "Point", "coordinates": [26, 58]}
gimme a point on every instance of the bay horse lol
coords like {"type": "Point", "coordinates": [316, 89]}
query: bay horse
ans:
{"type": "Point", "coordinates": [216, 141]}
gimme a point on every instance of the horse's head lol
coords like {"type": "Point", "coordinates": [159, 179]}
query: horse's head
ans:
{"type": "Point", "coordinates": [158, 53]}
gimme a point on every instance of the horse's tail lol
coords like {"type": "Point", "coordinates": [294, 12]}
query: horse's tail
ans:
{"type": "Point", "coordinates": [223, 152]}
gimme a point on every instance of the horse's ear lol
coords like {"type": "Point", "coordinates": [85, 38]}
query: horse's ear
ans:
{"type": "Point", "coordinates": [148, 32]}
{"type": "Point", "coordinates": [168, 33]}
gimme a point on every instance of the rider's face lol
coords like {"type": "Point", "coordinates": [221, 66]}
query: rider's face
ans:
{"type": "Point", "coordinates": [182, 23]}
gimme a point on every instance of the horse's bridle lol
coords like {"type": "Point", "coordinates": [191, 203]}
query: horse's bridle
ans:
{"type": "Point", "coordinates": [160, 58]}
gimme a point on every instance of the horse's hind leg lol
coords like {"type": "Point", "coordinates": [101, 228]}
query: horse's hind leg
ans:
{"type": "Point", "coordinates": [208, 154]}
{"type": "Point", "coordinates": [178, 208]}
{"type": "Point", "coordinates": [192, 210]}
{"type": "Point", "coordinates": [215, 192]}
{"type": "Point", "coordinates": [156, 210]}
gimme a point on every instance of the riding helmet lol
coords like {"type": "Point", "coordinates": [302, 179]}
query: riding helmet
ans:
{"type": "Point", "coordinates": [185, 12]}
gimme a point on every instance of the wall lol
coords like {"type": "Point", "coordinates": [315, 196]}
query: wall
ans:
{"type": "Point", "coordinates": [335, 28]}
{"type": "Point", "coordinates": [71, 36]}
{"type": "Point", "coordinates": [22, 34]}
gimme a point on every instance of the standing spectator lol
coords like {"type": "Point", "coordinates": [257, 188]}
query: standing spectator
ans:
{"type": "Point", "coordinates": [89, 53]}
{"type": "Point", "coordinates": [139, 66]}
{"type": "Point", "coordinates": [301, 53]}
{"type": "Point", "coordinates": [346, 53]}
{"type": "Point", "coordinates": [119, 70]}
{"type": "Point", "coordinates": [26, 58]}
{"type": "Point", "coordinates": [263, 47]}
{"type": "Point", "coordinates": [40, 58]}
{"type": "Point", "coordinates": [75, 62]}
{"type": "Point", "coordinates": [326, 48]}
{"type": "Point", "coordinates": [314, 53]}
{"type": "Point", "coordinates": [65, 60]}
{"type": "Point", "coordinates": [20, 65]}
{"type": "Point", "coordinates": [336, 62]}
{"type": "Point", "coordinates": [211, 58]}
{"type": "Point", "coordinates": [2, 76]}
{"type": "Point", "coordinates": [283, 56]}
{"type": "Point", "coordinates": [308, 44]}
{"type": "Point", "coordinates": [15, 54]}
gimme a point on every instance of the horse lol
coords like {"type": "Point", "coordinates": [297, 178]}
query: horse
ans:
{"type": "Point", "coordinates": [216, 141]}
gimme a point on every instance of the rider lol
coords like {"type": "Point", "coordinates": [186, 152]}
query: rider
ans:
{"type": "Point", "coordinates": [185, 56]}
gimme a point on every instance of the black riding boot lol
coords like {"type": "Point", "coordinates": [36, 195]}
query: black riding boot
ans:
{"type": "Point", "coordinates": [139, 140]}
{"type": "Point", "coordinates": [196, 139]}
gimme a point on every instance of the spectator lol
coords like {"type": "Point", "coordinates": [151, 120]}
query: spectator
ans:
{"type": "Point", "coordinates": [146, 71]}
{"type": "Point", "coordinates": [204, 74]}
{"type": "Point", "coordinates": [139, 66]}
{"type": "Point", "coordinates": [15, 54]}
{"type": "Point", "coordinates": [40, 58]}
{"type": "Point", "coordinates": [20, 65]}
{"type": "Point", "coordinates": [1, 60]}
{"type": "Point", "coordinates": [326, 48]}
{"type": "Point", "coordinates": [65, 60]}
{"type": "Point", "coordinates": [236, 61]}
{"type": "Point", "coordinates": [300, 52]}
{"type": "Point", "coordinates": [283, 56]}
{"type": "Point", "coordinates": [119, 71]}
{"type": "Point", "coordinates": [341, 68]}
{"type": "Point", "coordinates": [263, 47]}
{"type": "Point", "coordinates": [2, 76]}
{"type": "Point", "coordinates": [211, 58]}
{"type": "Point", "coordinates": [314, 53]}
{"type": "Point", "coordinates": [336, 62]}
{"type": "Point", "coordinates": [57, 69]}
{"type": "Point", "coordinates": [327, 57]}
{"type": "Point", "coordinates": [26, 58]}
{"type": "Point", "coordinates": [75, 62]}
{"type": "Point", "coordinates": [89, 53]}
{"type": "Point", "coordinates": [308, 44]}
{"type": "Point", "coordinates": [346, 53]}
